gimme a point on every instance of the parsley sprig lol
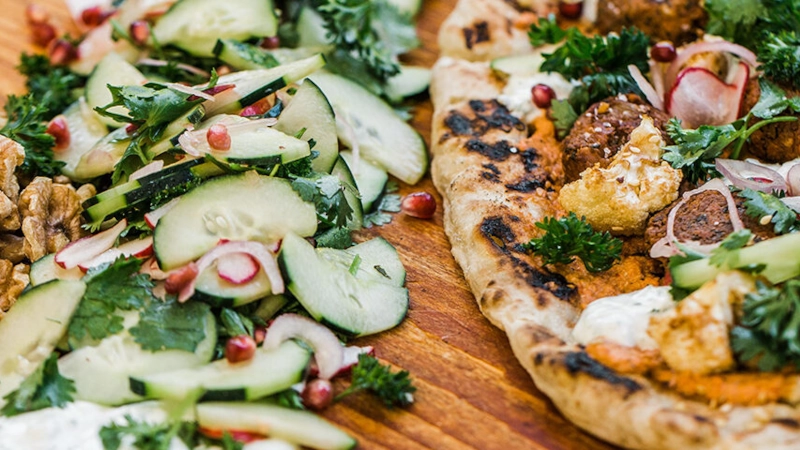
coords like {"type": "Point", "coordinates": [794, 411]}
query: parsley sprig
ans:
{"type": "Point", "coordinates": [571, 237]}
{"type": "Point", "coordinates": [393, 388]}
{"type": "Point", "coordinates": [44, 388]}
{"type": "Point", "coordinates": [26, 125]}
{"type": "Point", "coordinates": [761, 204]}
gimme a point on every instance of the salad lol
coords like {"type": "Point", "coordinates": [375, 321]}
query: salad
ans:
{"type": "Point", "coordinates": [189, 177]}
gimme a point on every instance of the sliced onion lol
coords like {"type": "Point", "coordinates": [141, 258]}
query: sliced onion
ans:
{"type": "Point", "coordinates": [657, 74]}
{"type": "Point", "coordinates": [793, 180]}
{"type": "Point", "coordinates": [665, 247]}
{"type": "Point", "coordinates": [257, 250]}
{"type": "Point", "coordinates": [153, 167]}
{"type": "Point", "coordinates": [190, 91]}
{"type": "Point", "coordinates": [744, 174]}
{"type": "Point", "coordinates": [328, 351]}
{"type": "Point", "coordinates": [647, 89]}
{"type": "Point", "coordinates": [701, 47]}
{"type": "Point", "coordinates": [185, 67]}
{"type": "Point", "coordinates": [152, 218]}
{"type": "Point", "coordinates": [792, 202]}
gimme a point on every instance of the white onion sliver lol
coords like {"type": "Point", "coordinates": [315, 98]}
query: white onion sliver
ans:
{"type": "Point", "coordinates": [742, 173]}
{"type": "Point", "coordinates": [255, 249]}
{"type": "Point", "coordinates": [701, 47]}
{"type": "Point", "coordinates": [153, 167]}
{"type": "Point", "coordinates": [154, 216]}
{"type": "Point", "coordinates": [657, 74]}
{"type": "Point", "coordinates": [793, 180]}
{"type": "Point", "coordinates": [792, 202]}
{"type": "Point", "coordinates": [189, 90]}
{"type": "Point", "coordinates": [328, 351]}
{"type": "Point", "coordinates": [647, 89]}
{"type": "Point", "coordinates": [161, 63]}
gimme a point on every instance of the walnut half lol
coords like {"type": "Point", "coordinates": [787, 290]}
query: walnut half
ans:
{"type": "Point", "coordinates": [11, 156]}
{"type": "Point", "coordinates": [50, 217]}
{"type": "Point", "coordinates": [13, 280]}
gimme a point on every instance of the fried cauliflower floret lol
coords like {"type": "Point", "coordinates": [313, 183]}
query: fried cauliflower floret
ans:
{"type": "Point", "coordinates": [694, 336]}
{"type": "Point", "coordinates": [620, 197]}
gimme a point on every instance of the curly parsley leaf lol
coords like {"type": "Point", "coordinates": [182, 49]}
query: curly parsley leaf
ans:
{"type": "Point", "coordinates": [570, 237]}
{"type": "Point", "coordinates": [52, 86]}
{"type": "Point", "coordinates": [165, 325]}
{"type": "Point", "coordinates": [760, 204]}
{"type": "Point", "coordinates": [44, 388]}
{"type": "Point", "coordinates": [26, 125]}
{"type": "Point", "coordinates": [147, 436]}
{"type": "Point", "coordinates": [109, 288]}
{"type": "Point", "coordinates": [727, 253]}
{"type": "Point", "coordinates": [770, 326]}
{"type": "Point", "coordinates": [392, 388]}
{"type": "Point", "coordinates": [546, 31]}
{"type": "Point", "coordinates": [779, 55]}
{"type": "Point", "coordinates": [733, 19]}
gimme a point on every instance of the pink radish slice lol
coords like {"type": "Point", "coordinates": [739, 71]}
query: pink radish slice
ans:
{"type": "Point", "coordinates": [153, 167]}
{"type": "Point", "coordinates": [90, 247]}
{"type": "Point", "coordinates": [328, 351]}
{"type": "Point", "coordinates": [702, 47]}
{"type": "Point", "coordinates": [257, 250]}
{"type": "Point", "coordinates": [700, 98]}
{"type": "Point", "coordinates": [140, 248]}
{"type": "Point", "coordinates": [152, 217]}
{"type": "Point", "coordinates": [237, 268]}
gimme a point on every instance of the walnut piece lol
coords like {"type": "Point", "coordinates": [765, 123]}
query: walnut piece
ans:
{"type": "Point", "coordinates": [13, 280]}
{"type": "Point", "coordinates": [11, 156]}
{"type": "Point", "coordinates": [12, 248]}
{"type": "Point", "coordinates": [50, 217]}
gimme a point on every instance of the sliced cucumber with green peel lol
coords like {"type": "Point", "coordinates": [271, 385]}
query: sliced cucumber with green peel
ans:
{"type": "Point", "coordinates": [342, 171]}
{"type": "Point", "coordinates": [270, 306]}
{"type": "Point", "coordinates": [115, 71]}
{"type": "Point", "coordinates": [195, 25]}
{"type": "Point", "coordinates": [243, 56]}
{"type": "Point", "coordinates": [411, 80]}
{"type": "Point", "coordinates": [267, 373]}
{"type": "Point", "coordinates": [101, 373]}
{"type": "Point", "coordinates": [302, 427]}
{"type": "Point", "coordinates": [311, 29]}
{"type": "Point", "coordinates": [103, 156]}
{"type": "Point", "coordinates": [379, 261]}
{"type": "Point", "coordinates": [370, 179]}
{"type": "Point", "coordinates": [171, 133]}
{"type": "Point", "coordinates": [32, 328]}
{"type": "Point", "coordinates": [251, 86]}
{"type": "Point", "coordinates": [310, 110]}
{"type": "Point", "coordinates": [246, 207]}
{"type": "Point", "coordinates": [778, 255]}
{"type": "Point", "coordinates": [383, 137]}
{"type": "Point", "coordinates": [360, 304]}
{"type": "Point", "coordinates": [85, 130]}
{"type": "Point", "coordinates": [521, 65]}
{"type": "Point", "coordinates": [45, 269]}
{"type": "Point", "coordinates": [215, 291]}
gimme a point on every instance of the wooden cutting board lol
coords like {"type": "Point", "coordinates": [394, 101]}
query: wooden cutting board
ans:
{"type": "Point", "coordinates": [471, 392]}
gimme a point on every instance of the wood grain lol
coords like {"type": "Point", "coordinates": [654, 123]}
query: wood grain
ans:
{"type": "Point", "coordinates": [472, 393]}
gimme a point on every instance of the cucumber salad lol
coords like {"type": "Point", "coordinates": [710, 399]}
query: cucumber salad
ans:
{"type": "Point", "coordinates": [231, 151]}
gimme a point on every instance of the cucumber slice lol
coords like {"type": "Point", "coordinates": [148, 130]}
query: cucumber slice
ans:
{"type": "Point", "coordinates": [246, 207]}
{"type": "Point", "coordinates": [174, 130]}
{"type": "Point", "coordinates": [342, 171]}
{"type": "Point", "coordinates": [215, 291]}
{"type": "Point", "coordinates": [301, 427]}
{"type": "Point", "coordinates": [251, 86]}
{"type": "Point", "coordinates": [379, 261]}
{"type": "Point", "coordinates": [521, 65]}
{"type": "Point", "coordinates": [359, 305]}
{"type": "Point", "coordinates": [270, 306]}
{"type": "Point", "coordinates": [101, 373]}
{"type": "Point", "coordinates": [382, 136]}
{"type": "Point", "coordinates": [779, 255]}
{"type": "Point", "coordinates": [411, 80]}
{"type": "Point", "coordinates": [243, 56]}
{"type": "Point", "coordinates": [32, 328]}
{"type": "Point", "coordinates": [85, 130]}
{"type": "Point", "coordinates": [310, 110]}
{"type": "Point", "coordinates": [103, 156]}
{"type": "Point", "coordinates": [113, 70]}
{"type": "Point", "coordinates": [195, 25]}
{"type": "Point", "coordinates": [45, 269]}
{"type": "Point", "coordinates": [311, 29]}
{"type": "Point", "coordinates": [267, 373]}
{"type": "Point", "coordinates": [370, 179]}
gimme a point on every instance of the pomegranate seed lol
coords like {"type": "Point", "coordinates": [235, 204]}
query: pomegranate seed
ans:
{"type": "Point", "coordinates": [271, 43]}
{"type": "Point", "coordinates": [94, 16]}
{"type": "Point", "coordinates": [140, 32]}
{"type": "Point", "coordinates": [240, 436]}
{"type": "Point", "coordinates": [218, 137]}
{"type": "Point", "coordinates": [61, 52]}
{"type": "Point", "coordinates": [663, 52]}
{"type": "Point", "coordinates": [59, 129]}
{"type": "Point", "coordinates": [179, 278]}
{"type": "Point", "coordinates": [421, 205]}
{"type": "Point", "coordinates": [240, 348]}
{"type": "Point", "coordinates": [318, 394]}
{"type": "Point", "coordinates": [131, 128]}
{"type": "Point", "coordinates": [257, 108]}
{"type": "Point", "coordinates": [571, 9]}
{"type": "Point", "coordinates": [260, 334]}
{"type": "Point", "coordinates": [42, 33]}
{"type": "Point", "coordinates": [36, 14]}
{"type": "Point", "coordinates": [542, 95]}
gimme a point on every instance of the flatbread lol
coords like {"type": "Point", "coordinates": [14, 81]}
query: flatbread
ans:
{"type": "Point", "coordinates": [482, 157]}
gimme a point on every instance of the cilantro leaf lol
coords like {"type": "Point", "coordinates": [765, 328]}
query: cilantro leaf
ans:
{"type": "Point", "coordinates": [546, 31]}
{"type": "Point", "coordinates": [111, 287]}
{"type": "Point", "coordinates": [165, 325]}
{"type": "Point", "coordinates": [288, 399]}
{"type": "Point", "coordinates": [235, 324]}
{"type": "Point", "coordinates": [773, 100]}
{"type": "Point", "coordinates": [43, 388]}
{"type": "Point", "coordinates": [760, 204]}
{"type": "Point", "coordinates": [26, 116]}
{"type": "Point", "coordinates": [327, 194]}
{"type": "Point", "coordinates": [336, 237]}
{"type": "Point", "coordinates": [570, 237]}
{"type": "Point", "coordinates": [727, 253]}
{"type": "Point", "coordinates": [389, 203]}
{"type": "Point", "coordinates": [779, 54]}
{"type": "Point", "coordinates": [394, 389]}
{"type": "Point", "coordinates": [147, 436]}
{"type": "Point", "coordinates": [564, 116]}
{"type": "Point", "coordinates": [733, 18]}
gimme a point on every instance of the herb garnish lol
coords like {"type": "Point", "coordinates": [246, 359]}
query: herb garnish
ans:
{"type": "Point", "coordinates": [26, 126]}
{"type": "Point", "coordinates": [389, 203]}
{"type": "Point", "coordinates": [727, 253]}
{"type": "Point", "coordinates": [43, 388]}
{"type": "Point", "coordinates": [394, 389]}
{"type": "Point", "coordinates": [760, 204]}
{"type": "Point", "coordinates": [327, 193]}
{"type": "Point", "coordinates": [51, 86]}
{"type": "Point", "coordinates": [568, 237]}
{"type": "Point", "coordinates": [165, 325]}
{"type": "Point", "coordinates": [147, 436]}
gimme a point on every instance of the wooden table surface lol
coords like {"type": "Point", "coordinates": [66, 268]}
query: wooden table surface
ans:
{"type": "Point", "coordinates": [471, 392]}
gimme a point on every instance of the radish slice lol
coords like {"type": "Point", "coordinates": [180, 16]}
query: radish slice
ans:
{"type": "Point", "coordinates": [647, 89]}
{"type": "Point", "coordinates": [701, 47]}
{"type": "Point", "coordinates": [90, 247]}
{"type": "Point", "coordinates": [793, 180]}
{"type": "Point", "coordinates": [237, 268]}
{"type": "Point", "coordinates": [328, 351]}
{"type": "Point", "coordinates": [140, 248]}
{"type": "Point", "coordinates": [351, 354]}
{"type": "Point", "coordinates": [743, 174]}
{"type": "Point", "coordinates": [700, 98]}
{"type": "Point", "coordinates": [153, 167]}
{"type": "Point", "coordinates": [257, 250]}
{"type": "Point", "coordinates": [195, 142]}
{"type": "Point", "coordinates": [153, 217]}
